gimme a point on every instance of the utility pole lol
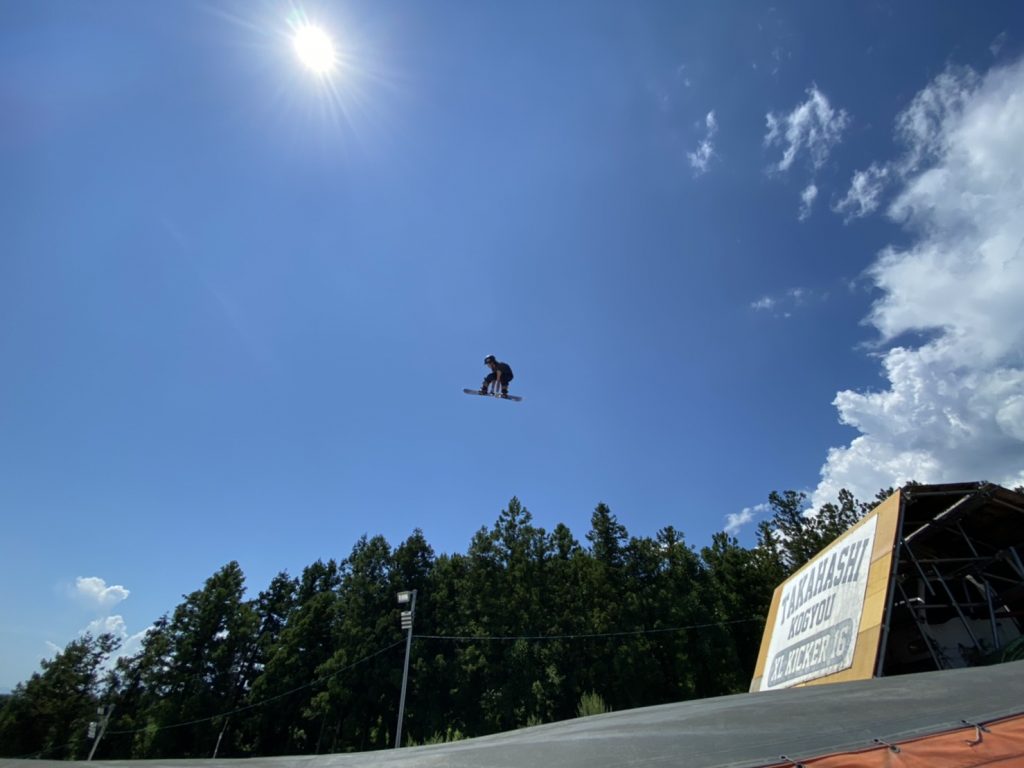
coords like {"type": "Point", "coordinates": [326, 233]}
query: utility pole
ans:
{"type": "Point", "coordinates": [105, 713]}
{"type": "Point", "coordinates": [220, 736]}
{"type": "Point", "coordinates": [405, 598]}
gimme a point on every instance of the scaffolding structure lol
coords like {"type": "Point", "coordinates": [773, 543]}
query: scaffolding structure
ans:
{"type": "Point", "coordinates": [956, 596]}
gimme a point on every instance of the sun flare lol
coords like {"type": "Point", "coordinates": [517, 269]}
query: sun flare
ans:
{"type": "Point", "coordinates": [315, 49]}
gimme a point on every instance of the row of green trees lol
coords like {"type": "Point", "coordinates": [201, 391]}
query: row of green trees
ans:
{"type": "Point", "coordinates": [527, 626]}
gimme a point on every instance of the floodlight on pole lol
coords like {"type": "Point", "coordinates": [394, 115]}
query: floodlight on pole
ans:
{"type": "Point", "coordinates": [405, 598]}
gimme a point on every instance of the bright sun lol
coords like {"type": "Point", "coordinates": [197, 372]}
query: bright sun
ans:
{"type": "Point", "coordinates": [315, 49]}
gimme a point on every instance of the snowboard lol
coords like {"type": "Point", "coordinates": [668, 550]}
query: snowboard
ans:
{"type": "Point", "coordinates": [517, 398]}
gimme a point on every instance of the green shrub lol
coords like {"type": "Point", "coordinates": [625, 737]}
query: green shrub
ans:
{"type": "Point", "coordinates": [591, 703]}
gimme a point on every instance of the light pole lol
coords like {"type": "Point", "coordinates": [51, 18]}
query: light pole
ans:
{"type": "Point", "coordinates": [405, 598]}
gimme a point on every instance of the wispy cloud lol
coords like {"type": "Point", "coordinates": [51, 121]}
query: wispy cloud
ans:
{"type": "Point", "coordinates": [701, 158]}
{"type": "Point", "coordinates": [864, 194]}
{"type": "Point", "coordinates": [786, 303]}
{"type": "Point", "coordinates": [683, 75]}
{"type": "Point", "coordinates": [812, 128]}
{"type": "Point", "coordinates": [737, 520]}
{"type": "Point", "coordinates": [777, 56]}
{"type": "Point", "coordinates": [954, 406]}
{"type": "Point", "coordinates": [923, 127]}
{"type": "Point", "coordinates": [807, 198]}
{"type": "Point", "coordinates": [997, 45]}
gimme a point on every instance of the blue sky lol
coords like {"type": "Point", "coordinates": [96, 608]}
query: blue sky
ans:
{"type": "Point", "coordinates": [727, 247]}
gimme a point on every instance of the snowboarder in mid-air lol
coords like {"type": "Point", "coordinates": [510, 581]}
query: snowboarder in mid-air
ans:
{"type": "Point", "coordinates": [496, 382]}
{"type": "Point", "coordinates": [499, 377]}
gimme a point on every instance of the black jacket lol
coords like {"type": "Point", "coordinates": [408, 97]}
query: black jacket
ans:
{"type": "Point", "coordinates": [506, 373]}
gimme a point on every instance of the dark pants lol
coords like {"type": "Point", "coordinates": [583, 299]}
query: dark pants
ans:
{"type": "Point", "coordinates": [491, 377]}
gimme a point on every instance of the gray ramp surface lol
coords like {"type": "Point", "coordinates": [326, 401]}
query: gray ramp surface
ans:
{"type": "Point", "coordinates": [738, 731]}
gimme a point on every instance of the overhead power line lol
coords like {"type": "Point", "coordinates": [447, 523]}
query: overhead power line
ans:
{"type": "Point", "coordinates": [267, 700]}
{"type": "Point", "coordinates": [583, 636]}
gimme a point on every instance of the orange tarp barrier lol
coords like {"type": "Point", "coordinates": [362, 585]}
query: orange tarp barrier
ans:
{"type": "Point", "coordinates": [999, 744]}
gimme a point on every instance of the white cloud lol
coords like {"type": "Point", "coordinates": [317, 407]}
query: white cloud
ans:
{"type": "Point", "coordinates": [116, 626]}
{"type": "Point", "coordinates": [920, 128]}
{"type": "Point", "coordinates": [94, 591]}
{"type": "Point", "coordinates": [701, 158]}
{"type": "Point", "coordinates": [764, 303]}
{"type": "Point", "coordinates": [132, 643]}
{"type": "Point", "coordinates": [813, 127]}
{"type": "Point", "coordinates": [807, 198]}
{"type": "Point", "coordinates": [113, 625]}
{"type": "Point", "coordinates": [863, 196]}
{"type": "Point", "coordinates": [735, 521]}
{"type": "Point", "coordinates": [954, 406]}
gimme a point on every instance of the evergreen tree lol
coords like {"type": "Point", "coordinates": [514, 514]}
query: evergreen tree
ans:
{"type": "Point", "coordinates": [48, 716]}
{"type": "Point", "coordinates": [564, 599]}
{"type": "Point", "coordinates": [300, 643]}
{"type": "Point", "coordinates": [795, 533]}
{"type": "Point", "coordinates": [193, 669]}
{"type": "Point", "coordinates": [358, 707]}
{"type": "Point", "coordinates": [605, 592]}
{"type": "Point", "coordinates": [742, 582]}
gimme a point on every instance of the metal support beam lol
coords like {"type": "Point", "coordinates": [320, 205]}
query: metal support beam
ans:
{"type": "Point", "coordinates": [946, 489]}
{"type": "Point", "coordinates": [956, 605]}
{"type": "Point", "coordinates": [883, 640]}
{"type": "Point", "coordinates": [1008, 505]}
{"type": "Point", "coordinates": [920, 628]}
{"type": "Point", "coordinates": [917, 565]}
{"type": "Point", "coordinates": [960, 507]}
{"type": "Point", "coordinates": [991, 614]}
{"type": "Point", "coordinates": [1015, 561]}
{"type": "Point", "coordinates": [970, 544]}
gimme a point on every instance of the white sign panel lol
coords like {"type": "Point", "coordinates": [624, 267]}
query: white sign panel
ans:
{"type": "Point", "coordinates": [819, 614]}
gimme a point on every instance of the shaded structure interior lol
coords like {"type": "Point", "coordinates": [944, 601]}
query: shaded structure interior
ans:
{"type": "Point", "coordinates": [957, 591]}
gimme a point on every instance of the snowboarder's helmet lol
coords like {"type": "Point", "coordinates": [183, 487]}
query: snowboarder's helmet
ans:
{"type": "Point", "coordinates": [490, 359]}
